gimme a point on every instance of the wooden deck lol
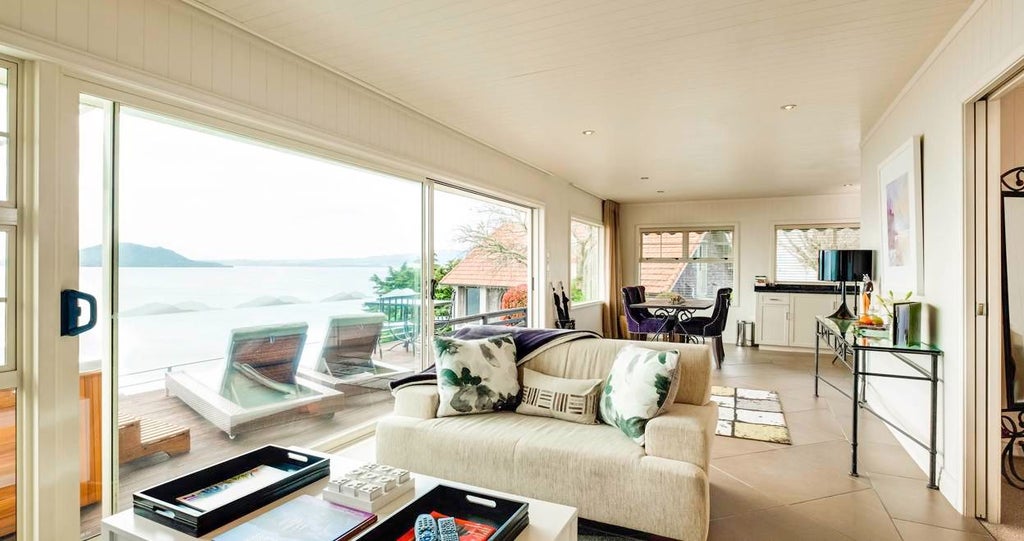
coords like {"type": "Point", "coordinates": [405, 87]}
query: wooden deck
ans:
{"type": "Point", "coordinates": [210, 445]}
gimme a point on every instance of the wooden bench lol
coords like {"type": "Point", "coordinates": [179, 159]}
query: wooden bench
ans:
{"type": "Point", "coordinates": [138, 437]}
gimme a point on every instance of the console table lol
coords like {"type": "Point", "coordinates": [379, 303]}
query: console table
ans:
{"type": "Point", "coordinates": [850, 348]}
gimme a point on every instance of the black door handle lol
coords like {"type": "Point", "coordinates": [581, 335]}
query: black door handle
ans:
{"type": "Point", "coordinates": [70, 311]}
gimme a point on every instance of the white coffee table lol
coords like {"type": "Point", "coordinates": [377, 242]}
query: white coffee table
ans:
{"type": "Point", "coordinates": [548, 521]}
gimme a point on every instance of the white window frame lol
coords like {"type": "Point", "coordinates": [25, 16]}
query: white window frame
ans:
{"type": "Point", "coordinates": [801, 225]}
{"type": "Point", "coordinates": [601, 283]}
{"type": "Point", "coordinates": [686, 230]}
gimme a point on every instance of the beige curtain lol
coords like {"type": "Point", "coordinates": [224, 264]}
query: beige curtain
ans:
{"type": "Point", "coordinates": [613, 270]}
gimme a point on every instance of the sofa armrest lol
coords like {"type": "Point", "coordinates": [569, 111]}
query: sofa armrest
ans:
{"type": "Point", "coordinates": [418, 401]}
{"type": "Point", "coordinates": [683, 432]}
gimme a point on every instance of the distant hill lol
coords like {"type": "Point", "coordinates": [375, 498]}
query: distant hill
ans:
{"type": "Point", "coordinates": [269, 300]}
{"type": "Point", "coordinates": [159, 308]}
{"type": "Point", "coordinates": [137, 255]}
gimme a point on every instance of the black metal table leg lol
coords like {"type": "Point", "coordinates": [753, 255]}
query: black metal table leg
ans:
{"type": "Point", "coordinates": [817, 351]}
{"type": "Point", "coordinates": [856, 410]}
{"type": "Point", "coordinates": [932, 451]}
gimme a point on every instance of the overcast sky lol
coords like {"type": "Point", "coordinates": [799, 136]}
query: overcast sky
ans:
{"type": "Point", "coordinates": [212, 197]}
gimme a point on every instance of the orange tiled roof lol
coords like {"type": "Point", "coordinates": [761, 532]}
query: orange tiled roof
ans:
{"type": "Point", "coordinates": [482, 269]}
{"type": "Point", "coordinates": [660, 277]}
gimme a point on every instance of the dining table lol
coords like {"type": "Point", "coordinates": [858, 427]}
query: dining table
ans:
{"type": "Point", "coordinates": [672, 312]}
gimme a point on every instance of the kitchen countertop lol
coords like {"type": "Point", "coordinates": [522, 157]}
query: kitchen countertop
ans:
{"type": "Point", "coordinates": [830, 289]}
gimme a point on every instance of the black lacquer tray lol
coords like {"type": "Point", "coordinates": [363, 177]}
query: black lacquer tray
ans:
{"type": "Point", "coordinates": [162, 503]}
{"type": "Point", "coordinates": [509, 517]}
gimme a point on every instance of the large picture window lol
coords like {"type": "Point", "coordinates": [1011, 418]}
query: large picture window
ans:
{"type": "Point", "coordinates": [585, 261]}
{"type": "Point", "coordinates": [694, 263]}
{"type": "Point", "coordinates": [797, 247]}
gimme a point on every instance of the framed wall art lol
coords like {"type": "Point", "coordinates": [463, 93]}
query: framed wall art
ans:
{"type": "Point", "coordinates": [899, 186]}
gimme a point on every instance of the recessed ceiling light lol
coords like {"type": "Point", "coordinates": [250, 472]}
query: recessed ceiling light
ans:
{"type": "Point", "coordinates": [788, 107]}
{"type": "Point", "coordinates": [645, 178]}
{"type": "Point", "coordinates": [847, 185]}
{"type": "Point", "coordinates": [661, 191]}
{"type": "Point", "coordinates": [589, 132]}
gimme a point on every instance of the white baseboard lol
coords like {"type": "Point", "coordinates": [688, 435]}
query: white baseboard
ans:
{"type": "Point", "coordinates": [789, 349]}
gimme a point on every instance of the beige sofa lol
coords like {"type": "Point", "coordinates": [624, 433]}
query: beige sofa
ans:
{"type": "Point", "coordinates": [660, 489]}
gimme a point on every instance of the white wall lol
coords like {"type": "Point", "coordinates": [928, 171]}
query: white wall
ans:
{"type": "Point", "coordinates": [988, 40]}
{"type": "Point", "coordinates": [755, 221]}
{"type": "Point", "coordinates": [168, 50]}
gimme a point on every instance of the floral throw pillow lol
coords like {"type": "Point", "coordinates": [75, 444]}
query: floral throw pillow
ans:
{"type": "Point", "coordinates": [642, 383]}
{"type": "Point", "coordinates": [476, 376]}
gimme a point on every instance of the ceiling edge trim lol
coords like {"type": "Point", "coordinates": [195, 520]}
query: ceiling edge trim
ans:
{"type": "Point", "coordinates": [223, 17]}
{"type": "Point", "coordinates": [954, 31]}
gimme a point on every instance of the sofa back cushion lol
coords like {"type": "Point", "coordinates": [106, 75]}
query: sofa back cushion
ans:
{"type": "Point", "coordinates": [593, 359]}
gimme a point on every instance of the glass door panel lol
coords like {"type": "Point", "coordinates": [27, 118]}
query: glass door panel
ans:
{"type": "Point", "coordinates": [482, 261]}
{"type": "Point", "coordinates": [258, 292]}
{"type": "Point", "coordinates": [94, 142]}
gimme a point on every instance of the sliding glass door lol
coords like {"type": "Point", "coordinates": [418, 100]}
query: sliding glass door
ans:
{"type": "Point", "coordinates": [249, 294]}
{"type": "Point", "coordinates": [9, 367]}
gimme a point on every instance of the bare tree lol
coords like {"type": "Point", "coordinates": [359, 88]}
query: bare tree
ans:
{"type": "Point", "coordinates": [506, 249]}
{"type": "Point", "coordinates": [804, 244]}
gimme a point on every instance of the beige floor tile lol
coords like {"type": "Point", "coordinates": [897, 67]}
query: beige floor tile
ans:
{"type": "Point", "coordinates": [777, 524]}
{"type": "Point", "coordinates": [909, 500]}
{"type": "Point", "coordinates": [913, 531]}
{"type": "Point", "coordinates": [794, 400]}
{"type": "Point", "coordinates": [730, 496]}
{"type": "Point", "coordinates": [870, 429]}
{"type": "Point", "coordinates": [796, 473]}
{"type": "Point", "coordinates": [724, 446]}
{"type": "Point", "coordinates": [859, 515]}
{"type": "Point", "coordinates": [813, 426]}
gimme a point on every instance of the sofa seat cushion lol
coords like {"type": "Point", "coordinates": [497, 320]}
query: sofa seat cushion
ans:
{"type": "Point", "coordinates": [467, 448]}
{"type": "Point", "coordinates": [610, 479]}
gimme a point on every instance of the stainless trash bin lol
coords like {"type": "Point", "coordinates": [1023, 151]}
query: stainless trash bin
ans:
{"type": "Point", "coordinates": [745, 333]}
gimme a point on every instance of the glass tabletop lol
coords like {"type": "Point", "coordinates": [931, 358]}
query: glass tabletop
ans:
{"type": "Point", "coordinates": [870, 339]}
{"type": "Point", "coordinates": [685, 304]}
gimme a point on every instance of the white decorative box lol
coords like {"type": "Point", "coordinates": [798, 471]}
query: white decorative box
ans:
{"type": "Point", "coordinates": [369, 487]}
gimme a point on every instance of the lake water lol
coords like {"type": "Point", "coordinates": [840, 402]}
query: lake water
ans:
{"type": "Point", "coordinates": [218, 300]}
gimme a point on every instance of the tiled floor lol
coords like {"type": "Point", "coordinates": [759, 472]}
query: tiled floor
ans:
{"type": "Point", "coordinates": [763, 491]}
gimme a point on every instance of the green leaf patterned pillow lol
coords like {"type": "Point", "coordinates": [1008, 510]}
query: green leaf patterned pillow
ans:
{"type": "Point", "coordinates": [642, 383]}
{"type": "Point", "coordinates": [476, 376]}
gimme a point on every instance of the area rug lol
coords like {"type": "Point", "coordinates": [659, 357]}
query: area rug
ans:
{"type": "Point", "coordinates": [750, 414]}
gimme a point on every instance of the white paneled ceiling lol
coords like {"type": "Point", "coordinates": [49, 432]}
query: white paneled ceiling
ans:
{"type": "Point", "coordinates": [686, 92]}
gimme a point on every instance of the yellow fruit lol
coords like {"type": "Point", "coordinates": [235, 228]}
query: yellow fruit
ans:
{"type": "Point", "coordinates": [877, 320]}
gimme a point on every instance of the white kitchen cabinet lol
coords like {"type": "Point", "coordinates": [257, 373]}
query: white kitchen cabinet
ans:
{"type": "Point", "coordinates": [773, 324]}
{"type": "Point", "coordinates": [787, 319]}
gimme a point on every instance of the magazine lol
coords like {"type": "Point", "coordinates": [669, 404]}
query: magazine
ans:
{"type": "Point", "coordinates": [231, 489]}
{"type": "Point", "coordinates": [306, 518]}
{"type": "Point", "coordinates": [468, 531]}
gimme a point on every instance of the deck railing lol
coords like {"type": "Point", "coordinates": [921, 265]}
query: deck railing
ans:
{"type": "Point", "coordinates": [511, 317]}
